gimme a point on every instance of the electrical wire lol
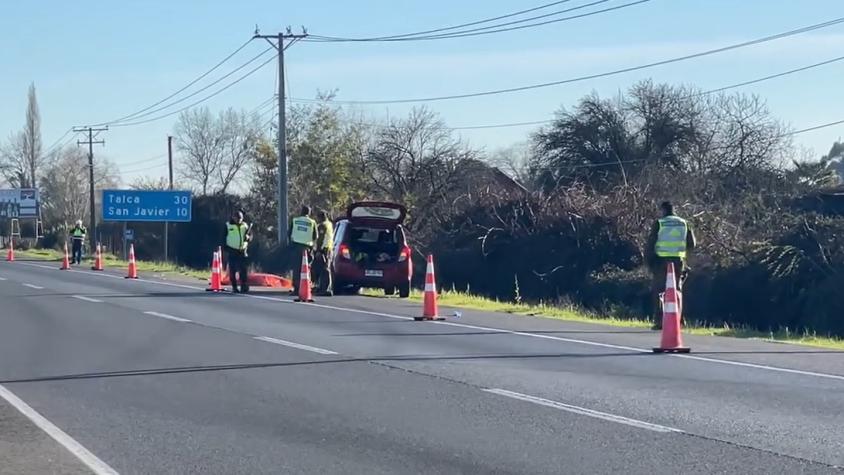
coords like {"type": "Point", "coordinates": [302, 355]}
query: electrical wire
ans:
{"type": "Point", "coordinates": [696, 94]}
{"type": "Point", "coordinates": [54, 147]}
{"type": "Point", "coordinates": [489, 29]}
{"type": "Point", "coordinates": [201, 77]}
{"type": "Point", "coordinates": [473, 23]}
{"type": "Point", "coordinates": [203, 89]}
{"type": "Point", "coordinates": [137, 162]}
{"type": "Point", "coordinates": [608, 73]}
{"type": "Point", "coordinates": [194, 104]}
{"type": "Point", "coordinates": [160, 165]}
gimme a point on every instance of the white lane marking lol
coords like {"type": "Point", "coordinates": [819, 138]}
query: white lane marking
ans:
{"type": "Point", "coordinates": [584, 411]}
{"type": "Point", "coordinates": [492, 329]}
{"type": "Point", "coordinates": [761, 366]}
{"type": "Point", "coordinates": [87, 299]}
{"type": "Point", "coordinates": [3, 278]}
{"type": "Point", "coordinates": [32, 286]}
{"type": "Point", "coordinates": [295, 345]}
{"type": "Point", "coordinates": [84, 455]}
{"type": "Point", "coordinates": [168, 317]}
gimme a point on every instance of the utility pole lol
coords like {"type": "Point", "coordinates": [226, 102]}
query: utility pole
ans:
{"type": "Point", "coordinates": [166, 223]}
{"type": "Point", "coordinates": [280, 45]}
{"type": "Point", "coordinates": [90, 143]}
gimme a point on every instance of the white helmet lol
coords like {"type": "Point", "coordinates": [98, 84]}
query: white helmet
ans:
{"type": "Point", "coordinates": [79, 222]}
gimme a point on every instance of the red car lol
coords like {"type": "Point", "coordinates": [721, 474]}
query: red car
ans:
{"type": "Point", "coordinates": [370, 249]}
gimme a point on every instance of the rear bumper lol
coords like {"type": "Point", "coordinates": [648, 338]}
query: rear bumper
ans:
{"type": "Point", "coordinates": [349, 273]}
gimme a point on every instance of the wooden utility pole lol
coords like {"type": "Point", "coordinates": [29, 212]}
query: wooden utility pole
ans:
{"type": "Point", "coordinates": [280, 45]}
{"type": "Point", "coordinates": [90, 143]}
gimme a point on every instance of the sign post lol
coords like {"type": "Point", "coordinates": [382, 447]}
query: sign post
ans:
{"type": "Point", "coordinates": [145, 206]}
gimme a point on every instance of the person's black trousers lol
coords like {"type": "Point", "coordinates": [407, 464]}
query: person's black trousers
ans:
{"type": "Point", "coordinates": [238, 266]}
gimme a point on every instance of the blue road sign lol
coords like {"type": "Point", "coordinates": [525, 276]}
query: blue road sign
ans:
{"type": "Point", "coordinates": [142, 205]}
{"type": "Point", "coordinates": [129, 235]}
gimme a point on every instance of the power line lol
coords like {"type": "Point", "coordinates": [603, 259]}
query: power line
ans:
{"type": "Point", "coordinates": [464, 25]}
{"type": "Point", "coordinates": [606, 74]}
{"type": "Point", "coordinates": [696, 94]}
{"type": "Point", "coordinates": [52, 148]}
{"type": "Point", "coordinates": [130, 164]}
{"type": "Point", "coordinates": [811, 129]}
{"type": "Point", "coordinates": [143, 169]}
{"type": "Point", "coordinates": [203, 89]}
{"type": "Point", "coordinates": [201, 77]}
{"type": "Point", "coordinates": [194, 104]}
{"type": "Point", "coordinates": [491, 29]}
{"type": "Point", "coordinates": [263, 105]}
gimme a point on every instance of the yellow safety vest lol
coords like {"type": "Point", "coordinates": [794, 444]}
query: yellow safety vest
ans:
{"type": "Point", "coordinates": [328, 239]}
{"type": "Point", "coordinates": [671, 239]}
{"type": "Point", "coordinates": [236, 236]}
{"type": "Point", "coordinates": [303, 231]}
{"type": "Point", "coordinates": [78, 233]}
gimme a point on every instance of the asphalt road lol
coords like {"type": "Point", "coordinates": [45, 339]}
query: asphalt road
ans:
{"type": "Point", "coordinates": [161, 377]}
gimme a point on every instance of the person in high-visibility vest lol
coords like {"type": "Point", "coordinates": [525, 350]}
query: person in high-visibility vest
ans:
{"type": "Point", "coordinates": [303, 237]}
{"type": "Point", "coordinates": [238, 236]}
{"type": "Point", "coordinates": [670, 240]}
{"type": "Point", "coordinates": [77, 237]}
{"type": "Point", "coordinates": [322, 255]}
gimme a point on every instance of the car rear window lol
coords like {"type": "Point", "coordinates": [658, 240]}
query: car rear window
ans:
{"type": "Point", "coordinates": [365, 235]}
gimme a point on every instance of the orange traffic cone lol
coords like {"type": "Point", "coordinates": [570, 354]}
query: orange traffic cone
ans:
{"type": "Point", "coordinates": [65, 260]}
{"type": "Point", "coordinates": [98, 260]}
{"type": "Point", "coordinates": [430, 311]}
{"type": "Point", "coordinates": [672, 339]}
{"type": "Point", "coordinates": [305, 291]}
{"type": "Point", "coordinates": [133, 267]}
{"type": "Point", "coordinates": [10, 256]}
{"type": "Point", "coordinates": [215, 283]}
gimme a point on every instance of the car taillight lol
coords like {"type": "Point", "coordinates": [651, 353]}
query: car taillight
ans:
{"type": "Point", "coordinates": [344, 251]}
{"type": "Point", "coordinates": [404, 254]}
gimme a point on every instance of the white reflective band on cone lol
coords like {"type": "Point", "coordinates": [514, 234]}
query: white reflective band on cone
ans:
{"type": "Point", "coordinates": [670, 307]}
{"type": "Point", "coordinates": [430, 288]}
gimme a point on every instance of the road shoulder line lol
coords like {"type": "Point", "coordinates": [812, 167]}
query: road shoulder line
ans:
{"type": "Point", "coordinates": [84, 455]}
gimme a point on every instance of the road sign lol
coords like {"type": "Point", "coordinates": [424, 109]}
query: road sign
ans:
{"type": "Point", "coordinates": [129, 234]}
{"type": "Point", "coordinates": [19, 203]}
{"type": "Point", "coordinates": [143, 205]}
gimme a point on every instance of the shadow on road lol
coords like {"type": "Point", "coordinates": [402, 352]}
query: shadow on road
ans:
{"type": "Point", "coordinates": [233, 367]}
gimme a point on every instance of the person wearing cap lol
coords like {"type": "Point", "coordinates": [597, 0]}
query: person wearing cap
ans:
{"type": "Point", "coordinates": [77, 237]}
{"type": "Point", "coordinates": [303, 237]}
{"type": "Point", "coordinates": [238, 236]}
{"type": "Point", "coordinates": [322, 255]}
{"type": "Point", "coordinates": [671, 239]}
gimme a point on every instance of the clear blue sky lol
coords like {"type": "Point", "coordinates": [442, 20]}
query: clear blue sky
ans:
{"type": "Point", "coordinates": [96, 61]}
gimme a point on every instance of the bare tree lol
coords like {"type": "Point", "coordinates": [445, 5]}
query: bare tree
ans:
{"type": "Point", "coordinates": [214, 150]}
{"type": "Point", "coordinates": [198, 140]}
{"type": "Point", "coordinates": [13, 161]}
{"type": "Point", "coordinates": [21, 158]}
{"type": "Point", "coordinates": [64, 190]}
{"type": "Point", "coordinates": [149, 183]}
{"type": "Point", "coordinates": [32, 137]}
{"type": "Point", "coordinates": [418, 162]}
{"type": "Point", "coordinates": [239, 136]}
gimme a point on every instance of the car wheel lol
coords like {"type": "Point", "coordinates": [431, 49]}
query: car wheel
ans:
{"type": "Point", "coordinates": [404, 290]}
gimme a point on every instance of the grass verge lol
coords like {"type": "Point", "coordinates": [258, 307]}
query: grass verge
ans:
{"type": "Point", "coordinates": [466, 300]}
{"type": "Point", "coordinates": [110, 261]}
